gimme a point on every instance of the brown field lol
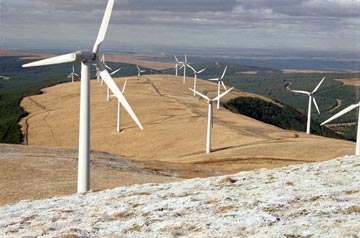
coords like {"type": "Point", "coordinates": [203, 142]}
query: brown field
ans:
{"type": "Point", "coordinates": [350, 81]}
{"type": "Point", "coordinates": [172, 143]}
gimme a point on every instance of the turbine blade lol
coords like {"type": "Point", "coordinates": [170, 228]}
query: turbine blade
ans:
{"type": "Point", "coordinates": [107, 66]}
{"type": "Point", "coordinates": [317, 108]}
{"type": "Point", "coordinates": [54, 60]}
{"type": "Point", "coordinates": [142, 71]}
{"type": "Point", "coordinates": [114, 72]}
{"type": "Point", "coordinates": [137, 66]}
{"type": "Point", "coordinates": [223, 94]}
{"type": "Point", "coordinates": [223, 74]}
{"type": "Point", "coordinates": [176, 59]}
{"type": "Point", "coordinates": [191, 68]}
{"type": "Point", "coordinates": [104, 26]}
{"type": "Point", "coordinates": [114, 88]}
{"type": "Point", "coordinates": [182, 66]}
{"type": "Point", "coordinates": [317, 87]}
{"type": "Point", "coordinates": [200, 94]}
{"type": "Point", "coordinates": [124, 86]}
{"type": "Point", "coordinates": [185, 59]}
{"type": "Point", "coordinates": [216, 79]}
{"type": "Point", "coordinates": [346, 110]}
{"type": "Point", "coordinates": [222, 83]}
{"type": "Point", "coordinates": [199, 72]}
{"type": "Point", "coordinates": [76, 74]}
{"type": "Point", "coordinates": [301, 92]}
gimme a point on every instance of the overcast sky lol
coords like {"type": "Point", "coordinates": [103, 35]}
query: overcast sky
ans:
{"type": "Point", "coordinates": [270, 24]}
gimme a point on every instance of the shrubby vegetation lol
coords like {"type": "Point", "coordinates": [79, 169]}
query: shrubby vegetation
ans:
{"type": "Point", "coordinates": [281, 116]}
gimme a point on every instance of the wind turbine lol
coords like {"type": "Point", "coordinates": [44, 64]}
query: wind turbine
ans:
{"type": "Point", "coordinates": [104, 62]}
{"type": "Point", "coordinates": [177, 62]}
{"type": "Point", "coordinates": [108, 89]}
{"type": "Point", "coordinates": [311, 100]}
{"type": "Point", "coordinates": [210, 115]}
{"type": "Point", "coordinates": [195, 75]}
{"type": "Point", "coordinates": [87, 58]}
{"type": "Point", "coordinates": [184, 65]}
{"type": "Point", "coordinates": [73, 74]}
{"type": "Point", "coordinates": [220, 81]}
{"type": "Point", "coordinates": [344, 111]}
{"type": "Point", "coordinates": [118, 128]}
{"type": "Point", "coordinates": [140, 70]}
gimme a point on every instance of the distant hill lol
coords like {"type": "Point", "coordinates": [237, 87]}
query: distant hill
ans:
{"type": "Point", "coordinates": [283, 116]}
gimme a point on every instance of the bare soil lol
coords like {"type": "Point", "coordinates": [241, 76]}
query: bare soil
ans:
{"type": "Point", "coordinates": [350, 81]}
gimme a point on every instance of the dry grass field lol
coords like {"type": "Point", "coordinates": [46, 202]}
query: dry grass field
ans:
{"type": "Point", "coordinates": [172, 142]}
{"type": "Point", "coordinates": [350, 81]}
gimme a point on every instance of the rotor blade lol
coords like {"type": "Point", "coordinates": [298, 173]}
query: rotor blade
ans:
{"type": "Point", "coordinates": [142, 71]}
{"type": "Point", "coordinates": [222, 83]}
{"type": "Point", "coordinates": [216, 79]}
{"type": "Point", "coordinates": [185, 59]}
{"type": "Point", "coordinates": [222, 76]}
{"type": "Point", "coordinates": [223, 94]}
{"type": "Point", "coordinates": [200, 94]}
{"type": "Point", "coordinates": [104, 26]}
{"type": "Point", "coordinates": [124, 86]}
{"type": "Point", "coordinates": [114, 72]}
{"type": "Point", "coordinates": [114, 88]}
{"type": "Point", "coordinates": [107, 66]}
{"type": "Point", "coordinates": [176, 59]}
{"type": "Point", "coordinates": [76, 74]}
{"type": "Point", "coordinates": [73, 69]}
{"type": "Point", "coordinates": [199, 72]}
{"type": "Point", "coordinates": [301, 92]}
{"type": "Point", "coordinates": [346, 110]}
{"type": "Point", "coordinates": [54, 60]}
{"type": "Point", "coordinates": [191, 68]}
{"type": "Point", "coordinates": [137, 66]}
{"type": "Point", "coordinates": [317, 108]}
{"type": "Point", "coordinates": [182, 66]}
{"type": "Point", "coordinates": [317, 87]}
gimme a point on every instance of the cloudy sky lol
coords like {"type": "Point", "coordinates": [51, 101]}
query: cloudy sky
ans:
{"type": "Point", "coordinates": [269, 24]}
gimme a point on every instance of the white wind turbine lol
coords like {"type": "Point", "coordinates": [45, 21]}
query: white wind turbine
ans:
{"type": "Point", "coordinates": [108, 67]}
{"type": "Point", "coordinates": [140, 70]}
{"type": "Point", "coordinates": [108, 89]}
{"type": "Point", "coordinates": [195, 75]}
{"type": "Point", "coordinates": [87, 58]}
{"type": "Point", "coordinates": [311, 100]}
{"type": "Point", "coordinates": [177, 62]}
{"type": "Point", "coordinates": [220, 81]}
{"type": "Point", "coordinates": [210, 115]}
{"type": "Point", "coordinates": [339, 114]}
{"type": "Point", "coordinates": [184, 65]}
{"type": "Point", "coordinates": [73, 74]}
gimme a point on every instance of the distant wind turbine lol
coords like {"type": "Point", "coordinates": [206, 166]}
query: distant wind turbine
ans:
{"type": "Point", "coordinates": [177, 62]}
{"type": "Point", "coordinates": [184, 65]}
{"type": "Point", "coordinates": [118, 126]}
{"type": "Point", "coordinates": [73, 74]}
{"type": "Point", "coordinates": [210, 115]}
{"type": "Point", "coordinates": [344, 111]}
{"type": "Point", "coordinates": [140, 70]}
{"type": "Point", "coordinates": [311, 100]}
{"type": "Point", "coordinates": [108, 89]}
{"type": "Point", "coordinates": [87, 58]}
{"type": "Point", "coordinates": [195, 75]}
{"type": "Point", "coordinates": [220, 81]}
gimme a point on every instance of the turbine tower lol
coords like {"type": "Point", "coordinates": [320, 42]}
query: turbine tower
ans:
{"type": "Point", "coordinates": [195, 75]}
{"type": "Point", "coordinates": [140, 70]}
{"type": "Point", "coordinates": [210, 115]}
{"type": "Point", "coordinates": [311, 100]}
{"type": "Point", "coordinates": [86, 58]}
{"type": "Point", "coordinates": [220, 81]}
{"type": "Point", "coordinates": [118, 126]}
{"type": "Point", "coordinates": [339, 114]}
{"type": "Point", "coordinates": [73, 74]}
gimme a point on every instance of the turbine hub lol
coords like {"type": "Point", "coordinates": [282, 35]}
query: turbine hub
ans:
{"type": "Point", "coordinates": [85, 56]}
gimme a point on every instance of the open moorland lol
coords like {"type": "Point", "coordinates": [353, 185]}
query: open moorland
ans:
{"type": "Point", "coordinates": [173, 140]}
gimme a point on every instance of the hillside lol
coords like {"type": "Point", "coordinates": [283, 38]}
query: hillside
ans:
{"type": "Point", "coordinates": [309, 200]}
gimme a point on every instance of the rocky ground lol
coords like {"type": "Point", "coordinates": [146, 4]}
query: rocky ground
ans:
{"type": "Point", "coordinates": [309, 200]}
